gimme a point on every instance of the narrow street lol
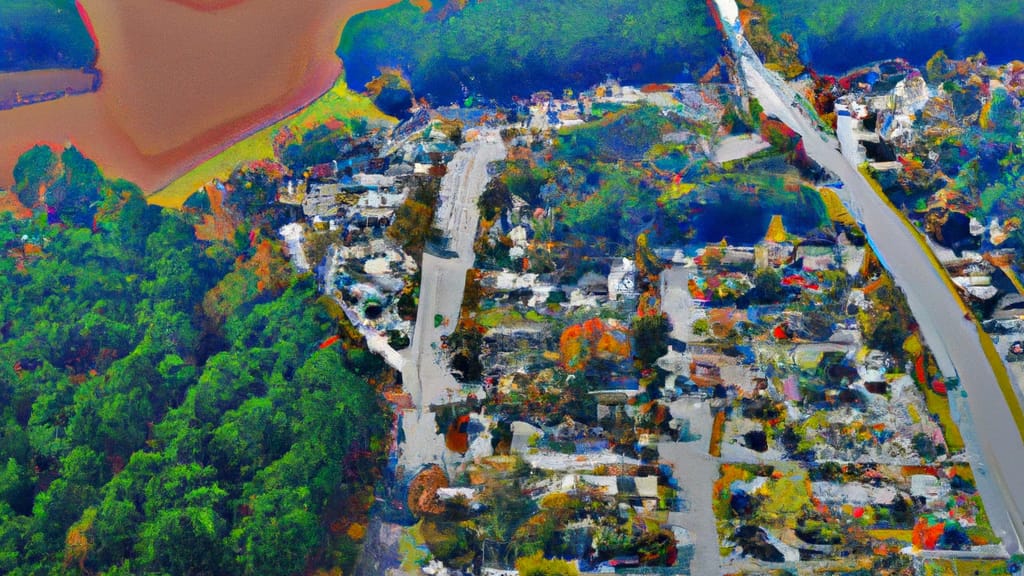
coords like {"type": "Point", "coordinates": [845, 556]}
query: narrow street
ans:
{"type": "Point", "coordinates": [677, 302]}
{"type": "Point", "coordinates": [425, 376]}
{"type": "Point", "coordinates": [696, 472]}
{"type": "Point", "coordinates": [694, 469]}
{"type": "Point", "coordinates": [998, 452]}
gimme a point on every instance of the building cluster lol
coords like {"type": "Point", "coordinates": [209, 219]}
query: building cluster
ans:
{"type": "Point", "coordinates": [942, 142]}
{"type": "Point", "coordinates": [353, 200]}
{"type": "Point", "coordinates": [546, 111]}
{"type": "Point", "coordinates": [826, 432]}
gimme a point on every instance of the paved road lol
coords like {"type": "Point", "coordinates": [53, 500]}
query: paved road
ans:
{"type": "Point", "coordinates": [677, 302]}
{"type": "Point", "coordinates": [442, 282]}
{"type": "Point", "coordinates": [738, 147]}
{"type": "Point", "coordinates": [954, 340]}
{"type": "Point", "coordinates": [696, 472]}
{"type": "Point", "coordinates": [694, 469]}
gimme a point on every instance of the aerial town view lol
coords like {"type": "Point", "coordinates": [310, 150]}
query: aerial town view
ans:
{"type": "Point", "coordinates": [508, 287]}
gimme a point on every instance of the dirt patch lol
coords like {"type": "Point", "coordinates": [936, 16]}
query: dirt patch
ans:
{"type": "Point", "coordinates": [208, 5]}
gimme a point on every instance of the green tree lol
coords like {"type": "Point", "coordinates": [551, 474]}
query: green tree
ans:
{"type": "Point", "coordinates": [279, 535]}
{"type": "Point", "coordinates": [56, 509]}
{"type": "Point", "coordinates": [13, 530]}
{"type": "Point", "coordinates": [185, 540]}
{"type": "Point", "coordinates": [248, 439]}
{"type": "Point", "coordinates": [35, 167]}
{"type": "Point", "coordinates": [767, 287]}
{"type": "Point", "coordinates": [495, 199]}
{"type": "Point", "coordinates": [16, 487]}
{"type": "Point", "coordinates": [650, 338]}
{"type": "Point", "coordinates": [116, 527]}
{"type": "Point", "coordinates": [78, 193]}
{"type": "Point", "coordinates": [1003, 118]}
{"type": "Point", "coordinates": [937, 70]}
{"type": "Point", "coordinates": [888, 335]}
{"type": "Point", "coordinates": [136, 220]}
{"type": "Point", "coordinates": [755, 109]}
{"type": "Point", "coordinates": [414, 219]}
{"type": "Point", "coordinates": [168, 425]}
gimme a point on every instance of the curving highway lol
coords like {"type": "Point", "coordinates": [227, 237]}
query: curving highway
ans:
{"type": "Point", "coordinates": [998, 445]}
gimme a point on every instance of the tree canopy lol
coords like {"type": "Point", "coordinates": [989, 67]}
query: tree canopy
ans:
{"type": "Point", "coordinates": [499, 49]}
{"type": "Point", "coordinates": [140, 433]}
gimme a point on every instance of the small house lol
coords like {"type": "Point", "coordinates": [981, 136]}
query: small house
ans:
{"type": "Point", "coordinates": [775, 250]}
{"type": "Point", "coordinates": [816, 258]}
{"type": "Point", "coordinates": [622, 279]}
{"type": "Point", "coordinates": [321, 200]}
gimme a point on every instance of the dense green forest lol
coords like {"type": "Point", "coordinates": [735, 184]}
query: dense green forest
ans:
{"type": "Point", "coordinates": [37, 34]}
{"type": "Point", "coordinates": [166, 405]}
{"type": "Point", "coordinates": [840, 35]}
{"type": "Point", "coordinates": [499, 48]}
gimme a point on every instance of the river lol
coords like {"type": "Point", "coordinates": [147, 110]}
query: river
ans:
{"type": "Point", "coordinates": [183, 79]}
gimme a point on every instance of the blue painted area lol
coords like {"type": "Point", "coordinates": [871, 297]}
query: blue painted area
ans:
{"type": "Point", "coordinates": [875, 249]}
{"type": "Point", "coordinates": [42, 34]}
{"type": "Point", "coordinates": [887, 124]}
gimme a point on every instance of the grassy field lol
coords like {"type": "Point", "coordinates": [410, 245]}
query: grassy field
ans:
{"type": "Point", "coordinates": [984, 567]}
{"type": "Point", "coordinates": [904, 536]}
{"type": "Point", "coordinates": [338, 104]}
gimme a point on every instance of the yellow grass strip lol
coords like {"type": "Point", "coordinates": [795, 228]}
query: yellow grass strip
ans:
{"type": "Point", "coordinates": [339, 103]}
{"type": "Point", "coordinates": [900, 535]}
{"type": "Point", "coordinates": [939, 405]}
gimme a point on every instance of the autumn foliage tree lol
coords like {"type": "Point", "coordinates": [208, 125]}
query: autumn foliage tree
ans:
{"type": "Point", "coordinates": [594, 338]}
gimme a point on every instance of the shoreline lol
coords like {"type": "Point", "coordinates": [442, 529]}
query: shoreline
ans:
{"type": "Point", "coordinates": [158, 114]}
{"type": "Point", "coordinates": [29, 87]}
